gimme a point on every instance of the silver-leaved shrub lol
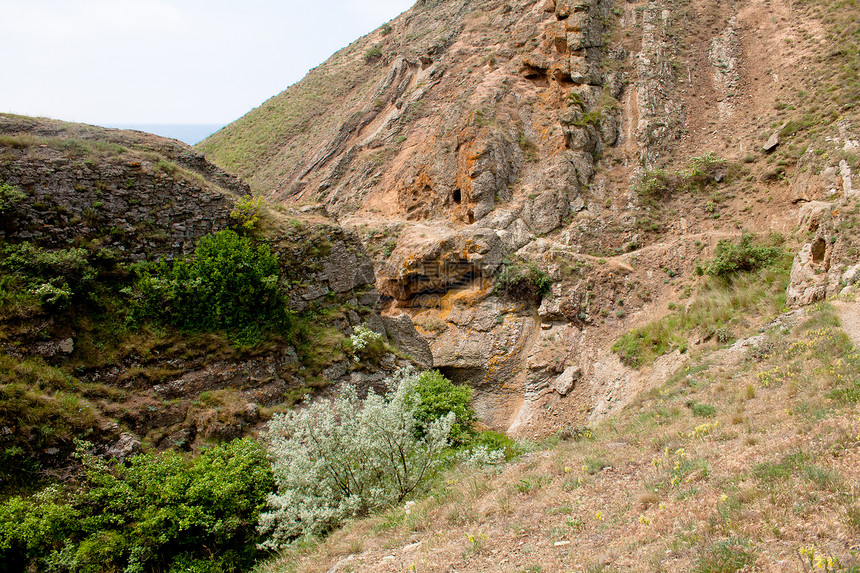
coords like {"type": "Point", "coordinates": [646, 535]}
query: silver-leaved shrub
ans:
{"type": "Point", "coordinates": [343, 458]}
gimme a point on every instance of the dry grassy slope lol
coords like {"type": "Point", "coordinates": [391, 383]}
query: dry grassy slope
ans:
{"type": "Point", "coordinates": [742, 459]}
{"type": "Point", "coordinates": [271, 145]}
{"type": "Point", "coordinates": [472, 111]}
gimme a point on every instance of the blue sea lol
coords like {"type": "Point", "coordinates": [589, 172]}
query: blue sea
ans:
{"type": "Point", "coordinates": [190, 133]}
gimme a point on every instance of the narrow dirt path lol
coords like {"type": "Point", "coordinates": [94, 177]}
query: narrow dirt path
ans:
{"type": "Point", "coordinates": [849, 317]}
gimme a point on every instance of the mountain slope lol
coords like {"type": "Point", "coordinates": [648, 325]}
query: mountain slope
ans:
{"type": "Point", "coordinates": [608, 145]}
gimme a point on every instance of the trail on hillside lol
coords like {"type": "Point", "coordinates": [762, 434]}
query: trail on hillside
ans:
{"type": "Point", "coordinates": [849, 317]}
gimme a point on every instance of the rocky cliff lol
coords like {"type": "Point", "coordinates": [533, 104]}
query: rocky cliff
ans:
{"type": "Point", "coordinates": [85, 212]}
{"type": "Point", "coordinates": [612, 144]}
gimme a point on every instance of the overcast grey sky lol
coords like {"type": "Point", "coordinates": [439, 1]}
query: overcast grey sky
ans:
{"type": "Point", "coordinates": [168, 61]}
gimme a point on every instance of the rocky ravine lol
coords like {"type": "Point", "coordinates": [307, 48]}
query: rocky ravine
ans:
{"type": "Point", "coordinates": [466, 136]}
{"type": "Point", "coordinates": [126, 197]}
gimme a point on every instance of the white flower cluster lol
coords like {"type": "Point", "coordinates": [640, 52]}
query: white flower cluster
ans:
{"type": "Point", "coordinates": [482, 456]}
{"type": "Point", "coordinates": [362, 336]}
{"type": "Point", "coordinates": [338, 459]}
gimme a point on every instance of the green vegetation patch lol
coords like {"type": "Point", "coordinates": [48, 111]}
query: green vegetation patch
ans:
{"type": "Point", "coordinates": [229, 283]}
{"type": "Point", "coordinates": [745, 255]}
{"type": "Point", "coordinates": [727, 556]}
{"type": "Point", "coordinates": [746, 277]}
{"type": "Point", "coordinates": [158, 512]}
{"type": "Point", "coordinates": [523, 281]}
{"type": "Point", "coordinates": [9, 197]}
{"type": "Point", "coordinates": [700, 173]}
{"type": "Point", "coordinates": [438, 396]}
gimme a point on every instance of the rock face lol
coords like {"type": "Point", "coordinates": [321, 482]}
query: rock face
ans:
{"type": "Point", "coordinates": [156, 199]}
{"type": "Point", "coordinates": [599, 148]}
{"type": "Point", "coordinates": [131, 197]}
{"type": "Point", "coordinates": [401, 332]}
{"type": "Point", "coordinates": [828, 263]}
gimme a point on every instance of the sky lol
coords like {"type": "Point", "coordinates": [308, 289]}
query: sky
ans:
{"type": "Point", "coordinates": [168, 61]}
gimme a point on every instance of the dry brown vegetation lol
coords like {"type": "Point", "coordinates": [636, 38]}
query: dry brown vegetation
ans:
{"type": "Point", "coordinates": [747, 459]}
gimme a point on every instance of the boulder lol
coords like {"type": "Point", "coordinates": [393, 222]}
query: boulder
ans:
{"type": "Point", "coordinates": [126, 446]}
{"type": "Point", "coordinates": [568, 379]}
{"type": "Point", "coordinates": [773, 141]}
{"type": "Point", "coordinates": [402, 334]}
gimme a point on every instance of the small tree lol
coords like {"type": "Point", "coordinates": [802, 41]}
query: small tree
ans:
{"type": "Point", "coordinates": [336, 460]}
{"type": "Point", "coordinates": [229, 283]}
{"type": "Point", "coordinates": [438, 396]}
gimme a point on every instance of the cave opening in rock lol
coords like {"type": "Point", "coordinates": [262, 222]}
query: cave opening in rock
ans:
{"type": "Point", "coordinates": [819, 247]}
{"type": "Point", "coordinates": [457, 196]}
{"type": "Point", "coordinates": [463, 375]}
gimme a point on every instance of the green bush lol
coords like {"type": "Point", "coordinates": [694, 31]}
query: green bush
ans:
{"type": "Point", "coordinates": [523, 281]}
{"type": "Point", "coordinates": [700, 173]}
{"type": "Point", "coordinates": [703, 410]}
{"type": "Point", "coordinates": [493, 441]}
{"type": "Point", "coordinates": [337, 460]}
{"type": "Point", "coordinates": [157, 513]}
{"type": "Point", "coordinates": [9, 197]}
{"type": "Point", "coordinates": [642, 345]}
{"type": "Point", "coordinates": [439, 396]}
{"type": "Point", "coordinates": [229, 283]}
{"type": "Point", "coordinates": [744, 255]}
{"type": "Point", "coordinates": [365, 345]}
{"type": "Point", "coordinates": [247, 212]}
{"type": "Point", "coordinates": [55, 277]}
{"type": "Point", "coordinates": [372, 54]}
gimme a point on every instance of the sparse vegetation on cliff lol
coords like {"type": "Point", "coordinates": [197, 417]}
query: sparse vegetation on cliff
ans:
{"type": "Point", "coordinates": [9, 196]}
{"type": "Point", "coordinates": [700, 173]}
{"type": "Point", "coordinates": [746, 278]}
{"type": "Point", "coordinates": [524, 281]}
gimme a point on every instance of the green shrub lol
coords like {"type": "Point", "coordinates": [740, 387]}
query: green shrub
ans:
{"type": "Point", "coordinates": [493, 441]}
{"type": "Point", "coordinates": [744, 255]}
{"type": "Point", "coordinates": [439, 396]}
{"type": "Point", "coordinates": [228, 283]}
{"type": "Point", "coordinates": [703, 410]}
{"type": "Point", "coordinates": [365, 344]}
{"type": "Point", "coordinates": [247, 212]}
{"type": "Point", "coordinates": [55, 277]}
{"type": "Point", "coordinates": [333, 461]}
{"type": "Point", "coordinates": [372, 54]}
{"type": "Point", "coordinates": [523, 281]}
{"type": "Point", "coordinates": [642, 345]}
{"type": "Point", "coordinates": [9, 197]}
{"type": "Point", "coordinates": [154, 514]}
{"type": "Point", "coordinates": [700, 173]}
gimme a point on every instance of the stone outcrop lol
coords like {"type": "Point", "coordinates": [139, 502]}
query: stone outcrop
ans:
{"type": "Point", "coordinates": [136, 197]}
{"type": "Point", "coordinates": [402, 334]}
{"type": "Point", "coordinates": [433, 261]}
{"type": "Point", "coordinates": [140, 204]}
{"type": "Point", "coordinates": [600, 148]}
{"type": "Point", "coordinates": [827, 264]}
